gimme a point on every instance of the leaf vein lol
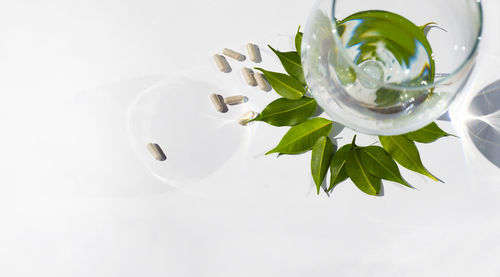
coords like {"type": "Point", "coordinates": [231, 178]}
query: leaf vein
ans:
{"type": "Point", "coordinates": [285, 84]}
{"type": "Point", "coordinates": [305, 135]}
{"type": "Point", "coordinates": [406, 153]}
{"type": "Point", "coordinates": [363, 172]}
{"type": "Point", "coordinates": [380, 163]}
{"type": "Point", "coordinates": [291, 109]}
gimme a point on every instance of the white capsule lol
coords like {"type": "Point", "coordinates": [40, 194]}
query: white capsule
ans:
{"type": "Point", "coordinates": [234, 100]}
{"type": "Point", "coordinates": [245, 119]}
{"type": "Point", "coordinates": [249, 78]}
{"type": "Point", "coordinates": [218, 102]}
{"type": "Point", "coordinates": [156, 151]}
{"type": "Point", "coordinates": [254, 53]}
{"type": "Point", "coordinates": [262, 82]}
{"type": "Point", "coordinates": [233, 54]}
{"type": "Point", "coordinates": [222, 63]}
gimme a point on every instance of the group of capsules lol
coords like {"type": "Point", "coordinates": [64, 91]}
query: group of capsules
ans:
{"type": "Point", "coordinates": [220, 103]}
{"type": "Point", "coordinates": [252, 79]}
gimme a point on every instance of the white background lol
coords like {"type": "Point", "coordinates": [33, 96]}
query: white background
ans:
{"type": "Point", "coordinates": [75, 200]}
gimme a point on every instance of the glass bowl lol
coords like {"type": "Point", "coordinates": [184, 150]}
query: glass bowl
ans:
{"type": "Point", "coordinates": [389, 67]}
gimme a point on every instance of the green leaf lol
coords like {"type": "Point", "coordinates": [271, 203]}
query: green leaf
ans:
{"type": "Point", "coordinates": [298, 41]}
{"type": "Point", "coordinates": [427, 134]}
{"type": "Point", "coordinates": [322, 152]}
{"type": "Point", "coordinates": [337, 166]}
{"type": "Point", "coordinates": [285, 112]}
{"type": "Point", "coordinates": [375, 27]}
{"type": "Point", "coordinates": [426, 25]}
{"type": "Point", "coordinates": [291, 63]}
{"type": "Point", "coordinates": [346, 74]}
{"type": "Point", "coordinates": [405, 153]}
{"type": "Point", "coordinates": [380, 164]}
{"type": "Point", "coordinates": [359, 175]}
{"type": "Point", "coordinates": [429, 26]}
{"type": "Point", "coordinates": [302, 137]}
{"type": "Point", "coordinates": [388, 97]}
{"type": "Point", "coordinates": [284, 85]}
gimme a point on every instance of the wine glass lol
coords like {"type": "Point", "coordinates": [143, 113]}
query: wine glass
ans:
{"type": "Point", "coordinates": [389, 67]}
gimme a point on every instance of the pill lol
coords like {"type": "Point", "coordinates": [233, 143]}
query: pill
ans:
{"type": "Point", "coordinates": [248, 74]}
{"type": "Point", "coordinates": [233, 54]}
{"type": "Point", "coordinates": [218, 102]}
{"type": "Point", "coordinates": [262, 82]}
{"type": "Point", "coordinates": [156, 151]}
{"type": "Point", "coordinates": [222, 63]}
{"type": "Point", "coordinates": [234, 100]}
{"type": "Point", "coordinates": [254, 53]}
{"type": "Point", "coordinates": [246, 118]}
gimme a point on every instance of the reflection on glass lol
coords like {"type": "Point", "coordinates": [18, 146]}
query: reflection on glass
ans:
{"type": "Point", "coordinates": [384, 67]}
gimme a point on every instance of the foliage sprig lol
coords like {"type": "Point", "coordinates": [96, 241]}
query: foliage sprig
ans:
{"type": "Point", "coordinates": [366, 166]}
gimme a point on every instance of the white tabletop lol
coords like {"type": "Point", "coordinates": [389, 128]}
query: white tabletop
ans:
{"type": "Point", "coordinates": [76, 199]}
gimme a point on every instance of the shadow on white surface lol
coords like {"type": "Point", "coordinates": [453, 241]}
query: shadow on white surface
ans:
{"type": "Point", "coordinates": [178, 115]}
{"type": "Point", "coordinates": [483, 122]}
{"type": "Point", "coordinates": [96, 152]}
{"type": "Point", "coordinates": [109, 128]}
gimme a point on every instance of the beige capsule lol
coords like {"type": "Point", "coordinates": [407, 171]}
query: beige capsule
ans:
{"type": "Point", "coordinates": [254, 53]}
{"type": "Point", "coordinates": [233, 54]}
{"type": "Point", "coordinates": [218, 102]}
{"type": "Point", "coordinates": [245, 119]}
{"type": "Point", "coordinates": [156, 151]}
{"type": "Point", "coordinates": [249, 76]}
{"type": "Point", "coordinates": [234, 100]}
{"type": "Point", "coordinates": [222, 63]}
{"type": "Point", "coordinates": [262, 82]}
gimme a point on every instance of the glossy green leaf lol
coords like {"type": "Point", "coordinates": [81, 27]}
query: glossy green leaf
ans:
{"type": "Point", "coordinates": [359, 175]}
{"type": "Point", "coordinates": [374, 29]}
{"type": "Point", "coordinates": [388, 97]}
{"type": "Point", "coordinates": [291, 63]}
{"type": "Point", "coordinates": [380, 164]}
{"type": "Point", "coordinates": [285, 112]}
{"type": "Point", "coordinates": [302, 137]}
{"type": "Point", "coordinates": [427, 134]}
{"type": "Point", "coordinates": [405, 153]}
{"type": "Point", "coordinates": [337, 166]}
{"type": "Point", "coordinates": [426, 25]}
{"type": "Point", "coordinates": [284, 85]}
{"type": "Point", "coordinates": [346, 73]}
{"type": "Point", "coordinates": [429, 26]}
{"type": "Point", "coordinates": [377, 26]}
{"type": "Point", "coordinates": [298, 41]}
{"type": "Point", "coordinates": [321, 156]}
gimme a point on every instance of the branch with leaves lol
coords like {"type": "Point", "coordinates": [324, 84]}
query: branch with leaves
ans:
{"type": "Point", "coordinates": [366, 166]}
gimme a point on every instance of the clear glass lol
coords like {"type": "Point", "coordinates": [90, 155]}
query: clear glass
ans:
{"type": "Point", "coordinates": [375, 67]}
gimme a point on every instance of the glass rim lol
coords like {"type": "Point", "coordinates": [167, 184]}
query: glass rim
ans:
{"type": "Point", "coordinates": [456, 71]}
